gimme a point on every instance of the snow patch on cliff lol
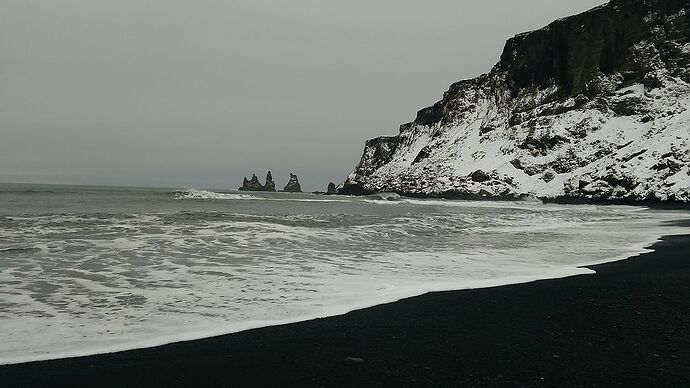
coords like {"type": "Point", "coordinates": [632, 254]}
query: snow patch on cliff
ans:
{"type": "Point", "coordinates": [591, 150]}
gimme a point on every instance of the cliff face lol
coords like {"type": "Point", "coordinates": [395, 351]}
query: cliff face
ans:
{"type": "Point", "coordinates": [591, 107]}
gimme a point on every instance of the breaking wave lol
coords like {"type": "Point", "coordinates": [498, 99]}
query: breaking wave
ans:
{"type": "Point", "coordinates": [205, 194]}
{"type": "Point", "coordinates": [383, 197]}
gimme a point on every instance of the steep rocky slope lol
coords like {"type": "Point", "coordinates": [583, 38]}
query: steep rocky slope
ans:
{"type": "Point", "coordinates": [591, 107]}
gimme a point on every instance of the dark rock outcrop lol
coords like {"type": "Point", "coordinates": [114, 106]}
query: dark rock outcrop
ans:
{"type": "Point", "coordinates": [423, 154]}
{"type": "Point", "coordinates": [572, 52]}
{"type": "Point", "coordinates": [355, 189]}
{"type": "Point", "coordinates": [331, 189]}
{"type": "Point", "coordinates": [604, 95]}
{"type": "Point", "coordinates": [293, 185]}
{"type": "Point", "coordinates": [270, 185]}
{"type": "Point", "coordinates": [480, 176]}
{"type": "Point", "coordinates": [254, 185]}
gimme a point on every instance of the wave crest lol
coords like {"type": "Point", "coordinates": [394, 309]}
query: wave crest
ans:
{"type": "Point", "coordinates": [385, 197]}
{"type": "Point", "coordinates": [206, 194]}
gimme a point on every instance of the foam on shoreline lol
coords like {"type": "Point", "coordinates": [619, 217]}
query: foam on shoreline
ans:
{"type": "Point", "coordinates": [334, 311]}
{"type": "Point", "coordinates": [391, 296]}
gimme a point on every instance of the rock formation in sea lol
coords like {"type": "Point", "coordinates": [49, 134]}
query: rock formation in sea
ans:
{"type": "Point", "coordinates": [592, 107]}
{"type": "Point", "coordinates": [270, 185]}
{"type": "Point", "coordinates": [293, 185]}
{"type": "Point", "coordinates": [254, 184]}
{"type": "Point", "coordinates": [331, 189]}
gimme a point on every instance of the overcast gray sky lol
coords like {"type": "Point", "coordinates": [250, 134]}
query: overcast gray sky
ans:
{"type": "Point", "coordinates": [200, 93]}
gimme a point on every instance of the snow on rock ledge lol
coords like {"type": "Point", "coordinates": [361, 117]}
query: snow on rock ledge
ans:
{"type": "Point", "coordinates": [592, 107]}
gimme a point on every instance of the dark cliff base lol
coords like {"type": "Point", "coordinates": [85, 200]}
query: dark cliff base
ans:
{"type": "Point", "coordinates": [628, 325]}
{"type": "Point", "coordinates": [656, 203]}
{"type": "Point", "coordinates": [651, 202]}
{"type": "Point", "coordinates": [358, 190]}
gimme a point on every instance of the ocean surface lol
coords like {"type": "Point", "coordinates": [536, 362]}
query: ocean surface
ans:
{"type": "Point", "coordinates": [86, 270]}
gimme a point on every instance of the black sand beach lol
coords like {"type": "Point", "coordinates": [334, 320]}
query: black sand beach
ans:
{"type": "Point", "coordinates": [628, 325]}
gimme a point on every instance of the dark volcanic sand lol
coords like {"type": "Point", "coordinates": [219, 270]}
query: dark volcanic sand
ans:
{"type": "Point", "coordinates": [627, 325]}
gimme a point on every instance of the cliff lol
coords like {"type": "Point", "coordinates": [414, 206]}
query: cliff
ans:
{"type": "Point", "coordinates": [592, 107]}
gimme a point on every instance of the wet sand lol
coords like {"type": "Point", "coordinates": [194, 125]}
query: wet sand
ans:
{"type": "Point", "coordinates": [627, 325]}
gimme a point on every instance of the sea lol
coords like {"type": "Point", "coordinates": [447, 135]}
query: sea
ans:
{"type": "Point", "coordinates": [87, 270]}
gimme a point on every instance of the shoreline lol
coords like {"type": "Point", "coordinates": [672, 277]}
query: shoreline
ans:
{"type": "Point", "coordinates": [401, 294]}
{"type": "Point", "coordinates": [242, 327]}
{"type": "Point", "coordinates": [627, 323]}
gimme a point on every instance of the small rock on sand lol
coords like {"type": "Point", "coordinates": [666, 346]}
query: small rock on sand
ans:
{"type": "Point", "coordinates": [353, 361]}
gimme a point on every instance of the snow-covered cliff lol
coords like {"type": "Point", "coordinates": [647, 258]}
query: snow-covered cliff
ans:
{"type": "Point", "coordinates": [591, 107]}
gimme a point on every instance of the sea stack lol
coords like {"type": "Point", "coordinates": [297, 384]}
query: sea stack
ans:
{"type": "Point", "coordinates": [270, 185]}
{"type": "Point", "coordinates": [254, 185]}
{"type": "Point", "coordinates": [293, 185]}
{"type": "Point", "coordinates": [331, 189]}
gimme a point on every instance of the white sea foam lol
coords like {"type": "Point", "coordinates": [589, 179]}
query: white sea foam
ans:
{"type": "Point", "coordinates": [114, 281]}
{"type": "Point", "coordinates": [206, 194]}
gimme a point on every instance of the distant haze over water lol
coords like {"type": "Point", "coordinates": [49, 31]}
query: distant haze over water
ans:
{"type": "Point", "coordinates": [200, 94]}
